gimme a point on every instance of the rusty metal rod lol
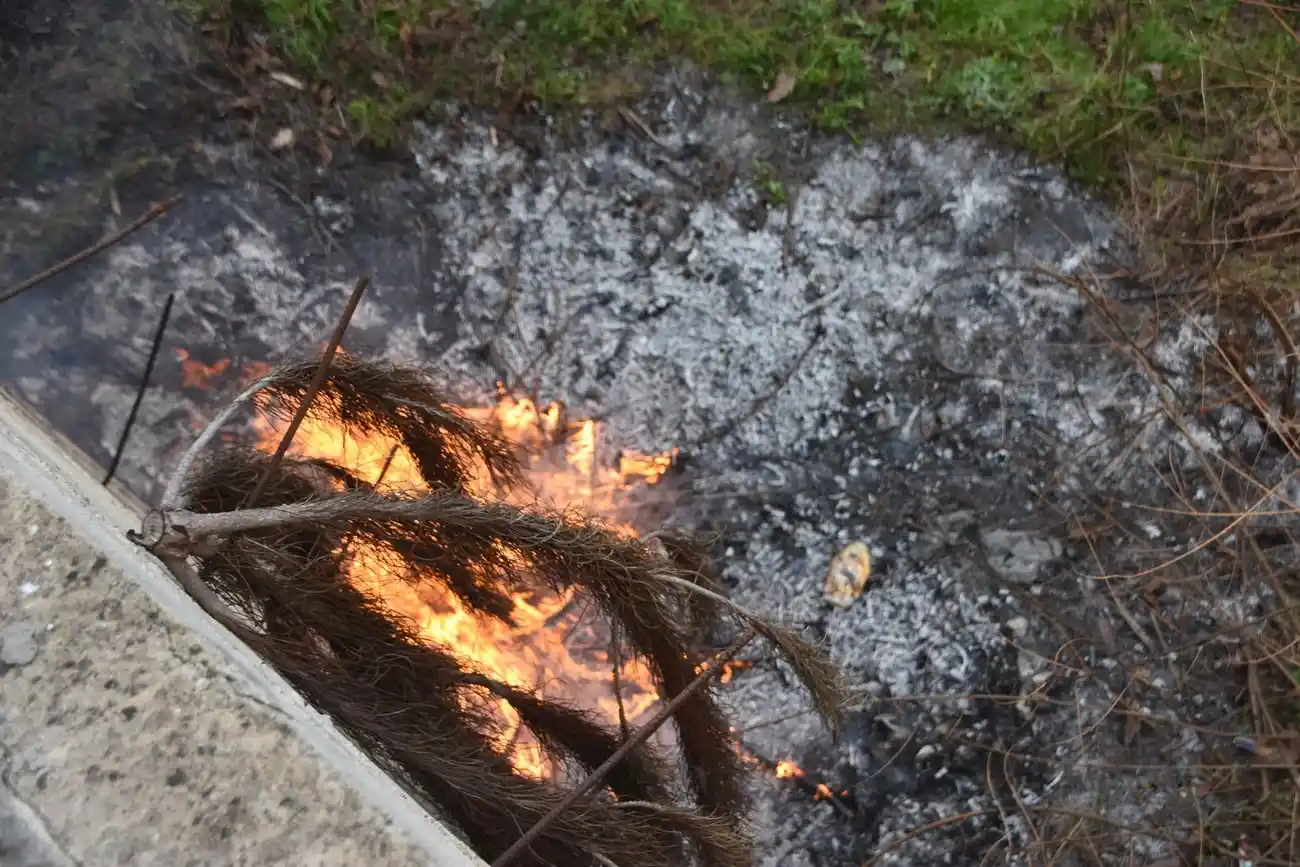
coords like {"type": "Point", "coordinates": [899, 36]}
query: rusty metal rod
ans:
{"type": "Point", "coordinates": [711, 668]}
{"type": "Point", "coordinates": [317, 381]}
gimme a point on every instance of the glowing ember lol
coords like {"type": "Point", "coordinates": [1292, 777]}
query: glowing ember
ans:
{"type": "Point", "coordinates": [196, 374]}
{"type": "Point", "coordinates": [788, 770]}
{"type": "Point", "coordinates": [729, 669]}
{"type": "Point", "coordinates": [550, 648]}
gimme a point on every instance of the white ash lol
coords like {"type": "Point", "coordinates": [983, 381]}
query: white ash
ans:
{"type": "Point", "coordinates": [719, 320]}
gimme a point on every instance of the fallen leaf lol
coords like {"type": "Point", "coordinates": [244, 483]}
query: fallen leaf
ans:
{"type": "Point", "coordinates": [283, 139]}
{"type": "Point", "coordinates": [323, 151]}
{"type": "Point", "coordinates": [785, 82]}
{"type": "Point", "coordinates": [379, 79]}
{"type": "Point", "coordinates": [404, 36]}
{"type": "Point", "coordinates": [288, 80]}
{"type": "Point", "coordinates": [1155, 70]}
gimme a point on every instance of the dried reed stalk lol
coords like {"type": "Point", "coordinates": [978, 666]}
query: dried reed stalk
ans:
{"type": "Point", "coordinates": [278, 576]}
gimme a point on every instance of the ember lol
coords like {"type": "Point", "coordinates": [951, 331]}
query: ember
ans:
{"type": "Point", "coordinates": [788, 770]}
{"type": "Point", "coordinates": [196, 374]}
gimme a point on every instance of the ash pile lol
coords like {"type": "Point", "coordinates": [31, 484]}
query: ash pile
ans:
{"type": "Point", "coordinates": [847, 343]}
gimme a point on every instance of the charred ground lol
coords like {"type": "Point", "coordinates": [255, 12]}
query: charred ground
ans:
{"type": "Point", "coordinates": [847, 341]}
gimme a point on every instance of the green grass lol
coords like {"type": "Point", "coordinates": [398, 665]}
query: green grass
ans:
{"type": "Point", "coordinates": [1073, 81]}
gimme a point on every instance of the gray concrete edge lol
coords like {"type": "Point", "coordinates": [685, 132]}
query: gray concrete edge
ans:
{"type": "Point", "coordinates": [60, 477]}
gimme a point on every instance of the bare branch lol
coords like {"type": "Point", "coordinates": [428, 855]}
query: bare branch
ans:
{"type": "Point", "coordinates": [98, 247]}
{"type": "Point", "coordinates": [144, 386]}
{"type": "Point", "coordinates": [171, 498]}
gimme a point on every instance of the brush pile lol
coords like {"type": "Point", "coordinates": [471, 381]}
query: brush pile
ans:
{"type": "Point", "coordinates": [276, 573]}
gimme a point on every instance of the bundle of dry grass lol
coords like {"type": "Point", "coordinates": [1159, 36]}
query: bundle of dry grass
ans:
{"type": "Point", "coordinates": [277, 574]}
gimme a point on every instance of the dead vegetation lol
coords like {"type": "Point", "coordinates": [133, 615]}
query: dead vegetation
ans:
{"type": "Point", "coordinates": [280, 574]}
{"type": "Point", "coordinates": [1215, 256]}
{"type": "Point", "coordinates": [1195, 553]}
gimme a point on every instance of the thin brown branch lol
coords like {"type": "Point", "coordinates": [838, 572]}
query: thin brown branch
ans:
{"type": "Point", "coordinates": [1282, 22]}
{"type": "Point", "coordinates": [711, 668]}
{"type": "Point", "coordinates": [812, 785]}
{"type": "Point", "coordinates": [322, 372]}
{"type": "Point", "coordinates": [207, 599]}
{"type": "Point", "coordinates": [94, 249]}
{"type": "Point", "coordinates": [728, 427]}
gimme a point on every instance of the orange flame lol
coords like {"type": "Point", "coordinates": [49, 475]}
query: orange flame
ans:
{"type": "Point", "coordinates": [549, 648]}
{"type": "Point", "coordinates": [196, 374]}
{"type": "Point", "coordinates": [788, 770]}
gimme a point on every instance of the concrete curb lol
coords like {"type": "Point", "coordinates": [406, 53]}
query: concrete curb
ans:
{"type": "Point", "coordinates": [58, 478]}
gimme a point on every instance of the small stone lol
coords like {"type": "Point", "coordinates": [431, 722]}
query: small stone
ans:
{"type": "Point", "coordinates": [953, 523]}
{"type": "Point", "coordinates": [1017, 555]}
{"type": "Point", "coordinates": [926, 751]}
{"type": "Point", "coordinates": [283, 139]}
{"type": "Point", "coordinates": [17, 644]}
{"type": "Point", "coordinates": [1029, 664]}
{"type": "Point", "coordinates": [1019, 626]}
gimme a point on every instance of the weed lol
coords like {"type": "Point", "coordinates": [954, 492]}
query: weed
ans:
{"type": "Point", "coordinates": [769, 182]}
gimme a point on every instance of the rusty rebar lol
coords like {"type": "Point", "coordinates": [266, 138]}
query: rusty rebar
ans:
{"type": "Point", "coordinates": [322, 373]}
{"type": "Point", "coordinates": [711, 668]}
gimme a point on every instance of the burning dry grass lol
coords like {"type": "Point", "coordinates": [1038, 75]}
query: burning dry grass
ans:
{"type": "Point", "coordinates": [309, 574]}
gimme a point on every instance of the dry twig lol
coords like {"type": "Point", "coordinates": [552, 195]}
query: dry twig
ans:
{"type": "Point", "coordinates": [144, 386]}
{"type": "Point", "coordinates": [94, 249]}
{"type": "Point", "coordinates": [317, 380]}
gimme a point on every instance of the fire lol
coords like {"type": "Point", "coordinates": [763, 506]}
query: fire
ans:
{"type": "Point", "coordinates": [729, 669]}
{"type": "Point", "coordinates": [196, 374]}
{"type": "Point", "coordinates": [550, 647]}
{"type": "Point", "coordinates": [788, 770]}
{"type": "Point", "coordinates": [582, 482]}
